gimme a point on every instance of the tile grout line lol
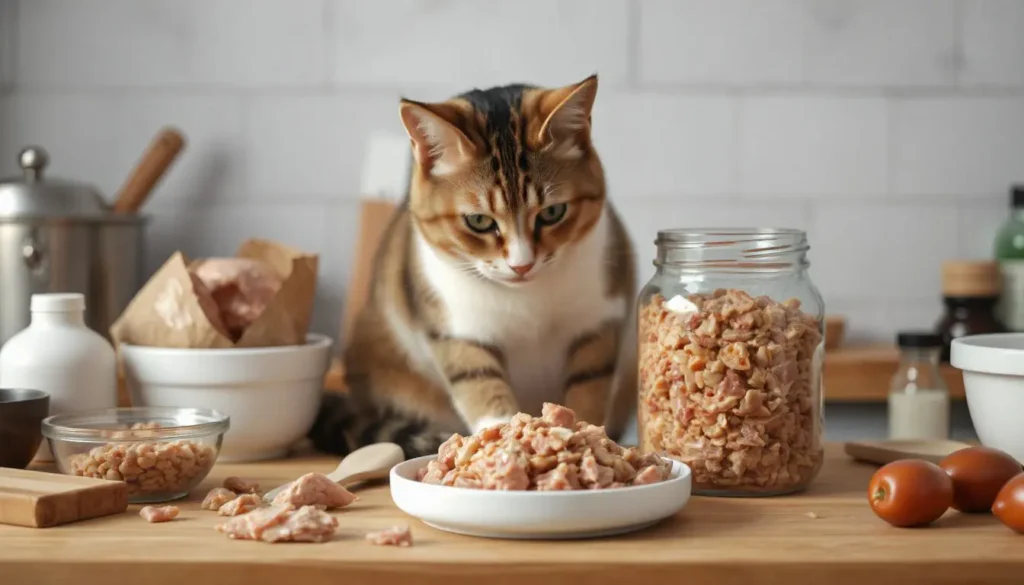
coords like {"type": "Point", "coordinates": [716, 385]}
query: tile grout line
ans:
{"type": "Point", "coordinates": [959, 48]}
{"type": "Point", "coordinates": [330, 40]}
{"type": "Point", "coordinates": [633, 56]}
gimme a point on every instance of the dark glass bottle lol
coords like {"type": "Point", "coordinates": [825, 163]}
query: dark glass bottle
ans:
{"type": "Point", "coordinates": [970, 291]}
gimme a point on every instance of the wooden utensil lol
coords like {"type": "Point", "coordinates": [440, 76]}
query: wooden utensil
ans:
{"type": "Point", "coordinates": [364, 464]}
{"type": "Point", "coordinates": [882, 452]}
{"type": "Point", "coordinates": [158, 157]}
{"type": "Point", "coordinates": [38, 499]}
{"type": "Point", "coordinates": [835, 328]}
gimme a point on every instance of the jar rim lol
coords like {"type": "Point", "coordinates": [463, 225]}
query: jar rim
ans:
{"type": "Point", "coordinates": [701, 237]}
{"type": "Point", "coordinates": [741, 250]}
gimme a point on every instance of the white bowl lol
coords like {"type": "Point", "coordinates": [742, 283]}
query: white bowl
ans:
{"type": "Point", "coordinates": [271, 393]}
{"type": "Point", "coordinates": [993, 370]}
{"type": "Point", "coordinates": [537, 515]}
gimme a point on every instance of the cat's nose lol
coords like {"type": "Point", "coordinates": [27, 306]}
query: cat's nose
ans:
{"type": "Point", "coordinates": [522, 269]}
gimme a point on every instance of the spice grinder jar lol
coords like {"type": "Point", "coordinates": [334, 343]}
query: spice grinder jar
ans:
{"type": "Point", "coordinates": [970, 295]}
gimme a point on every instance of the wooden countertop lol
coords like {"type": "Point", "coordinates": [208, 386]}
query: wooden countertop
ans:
{"type": "Point", "coordinates": [713, 540]}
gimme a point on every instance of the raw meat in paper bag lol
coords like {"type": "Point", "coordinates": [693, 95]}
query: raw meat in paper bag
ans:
{"type": "Point", "coordinates": [261, 298]}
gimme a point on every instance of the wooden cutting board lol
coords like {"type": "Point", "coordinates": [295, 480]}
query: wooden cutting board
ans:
{"type": "Point", "coordinates": [38, 499]}
{"type": "Point", "coordinates": [882, 452]}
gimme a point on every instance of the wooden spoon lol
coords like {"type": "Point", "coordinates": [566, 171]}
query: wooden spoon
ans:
{"type": "Point", "coordinates": [162, 151]}
{"type": "Point", "coordinates": [364, 464]}
{"type": "Point", "coordinates": [882, 452]}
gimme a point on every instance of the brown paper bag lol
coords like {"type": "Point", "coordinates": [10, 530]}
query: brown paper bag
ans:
{"type": "Point", "coordinates": [167, 311]}
{"type": "Point", "coordinates": [374, 217]}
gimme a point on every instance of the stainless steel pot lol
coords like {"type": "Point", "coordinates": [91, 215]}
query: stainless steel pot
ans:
{"type": "Point", "coordinates": [61, 236]}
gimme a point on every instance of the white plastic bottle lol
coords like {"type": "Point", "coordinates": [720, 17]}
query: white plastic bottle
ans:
{"type": "Point", "coordinates": [58, 354]}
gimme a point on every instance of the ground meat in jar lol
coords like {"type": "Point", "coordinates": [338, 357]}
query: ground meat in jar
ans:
{"type": "Point", "coordinates": [729, 386]}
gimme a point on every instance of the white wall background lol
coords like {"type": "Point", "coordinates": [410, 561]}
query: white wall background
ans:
{"type": "Point", "coordinates": [890, 129]}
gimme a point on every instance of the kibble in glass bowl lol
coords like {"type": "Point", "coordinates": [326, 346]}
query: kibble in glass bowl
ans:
{"type": "Point", "coordinates": [160, 452]}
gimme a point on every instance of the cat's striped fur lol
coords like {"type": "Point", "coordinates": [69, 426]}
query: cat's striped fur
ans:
{"type": "Point", "coordinates": [504, 280]}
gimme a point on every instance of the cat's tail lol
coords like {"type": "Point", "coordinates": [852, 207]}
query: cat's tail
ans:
{"type": "Point", "coordinates": [343, 426]}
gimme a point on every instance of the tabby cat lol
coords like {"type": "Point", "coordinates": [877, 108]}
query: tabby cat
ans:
{"type": "Point", "coordinates": [504, 280]}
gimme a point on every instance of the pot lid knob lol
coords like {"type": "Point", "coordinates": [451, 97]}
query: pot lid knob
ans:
{"type": "Point", "coordinates": [33, 160]}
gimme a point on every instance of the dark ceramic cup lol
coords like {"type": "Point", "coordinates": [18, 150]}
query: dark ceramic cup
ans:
{"type": "Point", "coordinates": [21, 412]}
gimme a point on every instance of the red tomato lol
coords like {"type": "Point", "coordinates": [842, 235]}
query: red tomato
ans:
{"type": "Point", "coordinates": [978, 474]}
{"type": "Point", "coordinates": [1009, 504]}
{"type": "Point", "coordinates": [910, 492]}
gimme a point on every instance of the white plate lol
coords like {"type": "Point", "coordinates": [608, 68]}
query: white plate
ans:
{"type": "Point", "coordinates": [538, 515]}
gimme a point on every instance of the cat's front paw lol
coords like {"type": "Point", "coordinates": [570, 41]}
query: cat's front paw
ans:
{"type": "Point", "coordinates": [490, 421]}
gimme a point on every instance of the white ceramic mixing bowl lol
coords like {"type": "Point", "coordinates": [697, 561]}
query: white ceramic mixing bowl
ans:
{"type": "Point", "coordinates": [270, 393]}
{"type": "Point", "coordinates": [993, 370]}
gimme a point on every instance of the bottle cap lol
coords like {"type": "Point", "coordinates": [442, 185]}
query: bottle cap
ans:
{"type": "Point", "coordinates": [57, 302]}
{"type": "Point", "coordinates": [919, 339]}
{"type": "Point", "coordinates": [1017, 195]}
{"type": "Point", "coordinates": [971, 278]}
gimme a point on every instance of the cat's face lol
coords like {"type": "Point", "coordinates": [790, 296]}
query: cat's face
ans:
{"type": "Point", "coordinates": [506, 180]}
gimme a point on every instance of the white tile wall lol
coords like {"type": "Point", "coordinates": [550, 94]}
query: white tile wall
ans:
{"type": "Point", "coordinates": [881, 42]}
{"type": "Point", "coordinates": [891, 252]}
{"type": "Point", "coordinates": [312, 146]}
{"type": "Point", "coordinates": [666, 145]}
{"type": "Point", "coordinates": [890, 129]}
{"type": "Point", "coordinates": [813, 146]}
{"type": "Point", "coordinates": [959, 146]}
{"type": "Point", "coordinates": [469, 43]}
{"type": "Point", "coordinates": [145, 43]}
{"type": "Point", "coordinates": [728, 41]}
{"type": "Point", "coordinates": [993, 45]}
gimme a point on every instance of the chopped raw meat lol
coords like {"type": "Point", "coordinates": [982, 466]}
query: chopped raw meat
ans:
{"type": "Point", "coordinates": [242, 486]}
{"type": "Point", "coordinates": [243, 504]}
{"type": "Point", "coordinates": [159, 514]}
{"type": "Point", "coordinates": [562, 477]}
{"type": "Point", "coordinates": [394, 536]}
{"type": "Point", "coordinates": [315, 489]}
{"type": "Point", "coordinates": [251, 526]}
{"type": "Point", "coordinates": [550, 452]}
{"type": "Point", "coordinates": [216, 498]}
{"type": "Point", "coordinates": [280, 524]}
{"type": "Point", "coordinates": [307, 524]}
{"type": "Point", "coordinates": [558, 416]}
{"type": "Point", "coordinates": [649, 474]}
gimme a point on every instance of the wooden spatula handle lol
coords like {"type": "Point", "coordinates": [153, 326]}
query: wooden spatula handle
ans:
{"type": "Point", "coordinates": [157, 159]}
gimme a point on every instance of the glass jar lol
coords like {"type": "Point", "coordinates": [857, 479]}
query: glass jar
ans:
{"type": "Point", "coordinates": [731, 344]}
{"type": "Point", "coordinates": [918, 396]}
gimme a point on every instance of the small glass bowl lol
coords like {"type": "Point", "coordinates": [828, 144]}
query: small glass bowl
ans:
{"type": "Point", "coordinates": [159, 463]}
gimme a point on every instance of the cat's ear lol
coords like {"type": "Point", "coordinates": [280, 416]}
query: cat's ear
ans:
{"type": "Point", "coordinates": [566, 113]}
{"type": "Point", "coordinates": [439, 145]}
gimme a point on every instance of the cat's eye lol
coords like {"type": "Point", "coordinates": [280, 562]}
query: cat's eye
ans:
{"type": "Point", "coordinates": [480, 223]}
{"type": "Point", "coordinates": [552, 214]}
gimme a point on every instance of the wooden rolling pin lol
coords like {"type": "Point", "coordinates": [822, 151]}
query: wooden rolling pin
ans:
{"type": "Point", "coordinates": [158, 157]}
